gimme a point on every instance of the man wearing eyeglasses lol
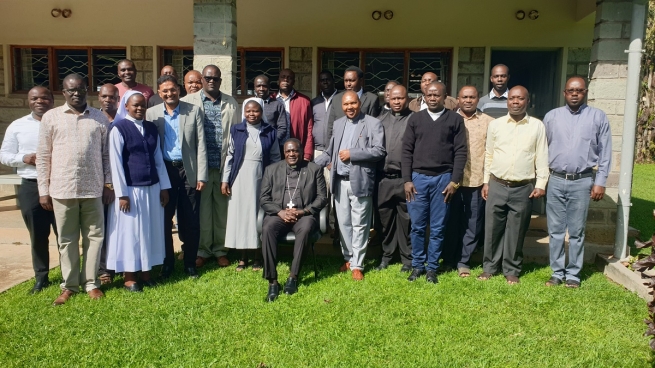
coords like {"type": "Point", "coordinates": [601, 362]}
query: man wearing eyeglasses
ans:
{"type": "Point", "coordinates": [579, 139]}
{"type": "Point", "coordinates": [220, 114]}
{"type": "Point", "coordinates": [127, 73]}
{"type": "Point", "coordinates": [74, 178]}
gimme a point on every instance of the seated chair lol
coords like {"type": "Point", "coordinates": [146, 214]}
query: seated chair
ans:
{"type": "Point", "coordinates": [290, 238]}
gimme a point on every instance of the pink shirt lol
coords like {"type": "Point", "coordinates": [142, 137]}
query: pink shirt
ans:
{"type": "Point", "coordinates": [147, 91]}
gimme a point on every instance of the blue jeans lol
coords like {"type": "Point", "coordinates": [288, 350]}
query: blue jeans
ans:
{"type": "Point", "coordinates": [428, 205]}
{"type": "Point", "coordinates": [567, 203]}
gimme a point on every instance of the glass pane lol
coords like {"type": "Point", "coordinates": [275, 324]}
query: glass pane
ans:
{"type": "Point", "coordinates": [422, 62]}
{"type": "Point", "coordinates": [31, 68]}
{"type": "Point", "coordinates": [382, 67]}
{"type": "Point", "coordinates": [268, 63]}
{"type": "Point", "coordinates": [239, 92]}
{"type": "Point", "coordinates": [69, 62]}
{"type": "Point", "coordinates": [337, 62]}
{"type": "Point", "coordinates": [104, 67]}
{"type": "Point", "coordinates": [180, 59]}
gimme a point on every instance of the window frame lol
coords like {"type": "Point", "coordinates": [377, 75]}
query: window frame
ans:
{"type": "Point", "coordinates": [160, 58]}
{"type": "Point", "coordinates": [55, 83]}
{"type": "Point", "coordinates": [241, 51]}
{"type": "Point", "coordinates": [405, 50]}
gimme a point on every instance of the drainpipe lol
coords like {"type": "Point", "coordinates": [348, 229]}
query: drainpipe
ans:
{"type": "Point", "coordinates": [629, 128]}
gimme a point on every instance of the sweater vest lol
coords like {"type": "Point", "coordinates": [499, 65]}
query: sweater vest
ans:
{"type": "Point", "coordinates": [139, 152]}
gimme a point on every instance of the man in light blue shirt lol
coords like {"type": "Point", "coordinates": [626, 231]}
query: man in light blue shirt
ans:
{"type": "Point", "coordinates": [172, 147]}
{"type": "Point", "coordinates": [579, 139]}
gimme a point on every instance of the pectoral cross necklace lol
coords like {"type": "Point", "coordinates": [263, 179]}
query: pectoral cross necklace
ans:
{"type": "Point", "coordinates": [290, 205]}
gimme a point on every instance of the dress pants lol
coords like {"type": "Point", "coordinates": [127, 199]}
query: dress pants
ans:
{"type": "Point", "coordinates": [38, 222]}
{"type": "Point", "coordinates": [75, 216]}
{"type": "Point", "coordinates": [186, 200]}
{"type": "Point", "coordinates": [102, 270]}
{"type": "Point", "coordinates": [429, 206]}
{"type": "Point", "coordinates": [354, 218]}
{"type": "Point", "coordinates": [274, 228]}
{"type": "Point", "coordinates": [464, 229]}
{"type": "Point", "coordinates": [326, 174]}
{"type": "Point", "coordinates": [567, 205]}
{"type": "Point", "coordinates": [507, 219]}
{"type": "Point", "coordinates": [394, 220]}
{"type": "Point", "coordinates": [213, 217]}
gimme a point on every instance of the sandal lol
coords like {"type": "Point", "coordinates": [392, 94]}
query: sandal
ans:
{"type": "Point", "coordinates": [105, 279]}
{"type": "Point", "coordinates": [242, 265]}
{"type": "Point", "coordinates": [464, 272]}
{"type": "Point", "coordinates": [512, 280]}
{"type": "Point", "coordinates": [257, 266]}
{"type": "Point", "coordinates": [485, 276]}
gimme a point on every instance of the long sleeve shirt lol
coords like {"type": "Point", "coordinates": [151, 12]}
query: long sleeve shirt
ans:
{"type": "Point", "coordinates": [72, 159]}
{"type": "Point", "coordinates": [517, 150]}
{"type": "Point", "coordinates": [21, 138]}
{"type": "Point", "coordinates": [476, 137]}
{"type": "Point", "coordinates": [578, 141]}
{"type": "Point", "coordinates": [276, 116]}
{"type": "Point", "coordinates": [394, 129]}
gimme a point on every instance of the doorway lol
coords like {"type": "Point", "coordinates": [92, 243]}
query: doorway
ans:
{"type": "Point", "coordinates": [537, 71]}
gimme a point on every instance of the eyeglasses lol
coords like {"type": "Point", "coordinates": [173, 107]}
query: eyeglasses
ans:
{"type": "Point", "coordinates": [79, 91]}
{"type": "Point", "coordinates": [576, 90]}
{"type": "Point", "coordinates": [212, 79]}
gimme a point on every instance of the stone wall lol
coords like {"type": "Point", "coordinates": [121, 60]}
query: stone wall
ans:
{"type": "Point", "coordinates": [142, 58]}
{"type": "Point", "coordinates": [578, 62]}
{"type": "Point", "coordinates": [471, 68]}
{"type": "Point", "coordinates": [300, 61]}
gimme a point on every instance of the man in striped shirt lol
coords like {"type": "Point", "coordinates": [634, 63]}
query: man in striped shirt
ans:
{"type": "Point", "coordinates": [495, 103]}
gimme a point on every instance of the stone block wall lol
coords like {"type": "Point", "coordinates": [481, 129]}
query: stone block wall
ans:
{"type": "Point", "coordinates": [471, 68]}
{"type": "Point", "coordinates": [578, 62]}
{"type": "Point", "coordinates": [300, 61]}
{"type": "Point", "coordinates": [142, 57]}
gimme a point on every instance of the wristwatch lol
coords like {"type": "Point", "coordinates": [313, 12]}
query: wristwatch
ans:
{"type": "Point", "coordinates": [456, 185]}
{"type": "Point", "coordinates": [109, 186]}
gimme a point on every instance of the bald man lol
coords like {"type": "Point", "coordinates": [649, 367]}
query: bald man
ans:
{"type": "Point", "coordinates": [392, 207]}
{"type": "Point", "coordinates": [355, 149]}
{"type": "Point", "coordinates": [433, 161]}
{"type": "Point", "coordinates": [192, 81]}
{"type": "Point", "coordinates": [166, 70]}
{"type": "Point", "coordinates": [579, 139]}
{"type": "Point", "coordinates": [419, 103]}
{"type": "Point", "coordinates": [515, 173]}
{"type": "Point", "coordinates": [19, 150]}
{"type": "Point", "coordinates": [494, 104]}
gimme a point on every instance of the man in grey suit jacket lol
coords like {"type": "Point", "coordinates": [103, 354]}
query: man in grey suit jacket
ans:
{"type": "Point", "coordinates": [292, 195]}
{"type": "Point", "coordinates": [182, 140]}
{"type": "Point", "coordinates": [353, 80]}
{"type": "Point", "coordinates": [355, 149]}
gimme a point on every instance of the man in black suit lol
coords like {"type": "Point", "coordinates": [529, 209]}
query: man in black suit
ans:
{"type": "Point", "coordinates": [353, 80]}
{"type": "Point", "coordinates": [292, 195]}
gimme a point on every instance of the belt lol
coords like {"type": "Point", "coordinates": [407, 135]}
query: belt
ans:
{"type": "Point", "coordinates": [32, 180]}
{"type": "Point", "coordinates": [392, 176]}
{"type": "Point", "coordinates": [343, 177]}
{"type": "Point", "coordinates": [176, 163]}
{"type": "Point", "coordinates": [568, 176]}
{"type": "Point", "coordinates": [512, 184]}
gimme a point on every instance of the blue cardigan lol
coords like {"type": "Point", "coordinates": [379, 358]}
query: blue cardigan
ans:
{"type": "Point", "coordinates": [239, 134]}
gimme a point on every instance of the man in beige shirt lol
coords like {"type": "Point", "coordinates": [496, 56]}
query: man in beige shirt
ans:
{"type": "Point", "coordinates": [466, 217]}
{"type": "Point", "coordinates": [515, 172]}
{"type": "Point", "coordinates": [72, 164]}
{"type": "Point", "coordinates": [419, 104]}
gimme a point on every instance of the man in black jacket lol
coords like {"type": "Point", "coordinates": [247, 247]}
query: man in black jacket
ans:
{"type": "Point", "coordinates": [292, 195]}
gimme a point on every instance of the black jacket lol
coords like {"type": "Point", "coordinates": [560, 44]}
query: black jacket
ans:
{"type": "Point", "coordinates": [311, 184]}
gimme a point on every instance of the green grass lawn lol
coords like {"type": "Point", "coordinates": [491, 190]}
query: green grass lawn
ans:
{"type": "Point", "coordinates": [221, 320]}
{"type": "Point", "coordinates": [643, 200]}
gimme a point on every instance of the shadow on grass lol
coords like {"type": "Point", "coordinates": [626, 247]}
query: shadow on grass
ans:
{"type": "Point", "coordinates": [641, 218]}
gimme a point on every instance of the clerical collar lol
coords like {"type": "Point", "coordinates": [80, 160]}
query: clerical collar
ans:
{"type": "Point", "coordinates": [293, 167]}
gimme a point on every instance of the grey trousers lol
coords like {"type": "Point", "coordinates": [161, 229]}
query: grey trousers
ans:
{"type": "Point", "coordinates": [566, 209]}
{"type": "Point", "coordinates": [507, 218]}
{"type": "Point", "coordinates": [354, 217]}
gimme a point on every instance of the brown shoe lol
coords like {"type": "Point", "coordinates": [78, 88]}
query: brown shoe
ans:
{"type": "Point", "coordinates": [63, 297]}
{"type": "Point", "coordinates": [358, 275]}
{"type": "Point", "coordinates": [95, 294]}
{"type": "Point", "coordinates": [223, 261]}
{"type": "Point", "coordinates": [345, 267]}
{"type": "Point", "coordinates": [200, 261]}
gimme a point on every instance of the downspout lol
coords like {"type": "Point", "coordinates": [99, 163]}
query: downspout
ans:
{"type": "Point", "coordinates": [629, 128]}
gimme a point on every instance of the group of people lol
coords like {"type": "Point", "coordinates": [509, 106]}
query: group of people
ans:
{"type": "Point", "coordinates": [436, 175]}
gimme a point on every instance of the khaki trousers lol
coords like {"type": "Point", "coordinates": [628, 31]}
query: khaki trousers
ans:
{"type": "Point", "coordinates": [74, 217]}
{"type": "Point", "coordinates": [213, 217]}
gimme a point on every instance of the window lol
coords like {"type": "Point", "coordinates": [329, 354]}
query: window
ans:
{"type": "Point", "coordinates": [253, 62]}
{"type": "Point", "coordinates": [179, 58]}
{"type": "Point", "coordinates": [405, 66]}
{"type": "Point", "coordinates": [48, 66]}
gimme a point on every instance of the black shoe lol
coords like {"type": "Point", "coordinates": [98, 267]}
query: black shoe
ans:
{"type": "Point", "coordinates": [382, 266]}
{"type": "Point", "coordinates": [291, 287]}
{"type": "Point", "coordinates": [416, 273]}
{"type": "Point", "coordinates": [431, 276]}
{"type": "Point", "coordinates": [273, 292]}
{"type": "Point", "coordinates": [406, 268]}
{"type": "Point", "coordinates": [166, 272]}
{"type": "Point", "coordinates": [149, 283]}
{"type": "Point", "coordinates": [135, 288]}
{"type": "Point", "coordinates": [192, 272]}
{"type": "Point", "coordinates": [40, 285]}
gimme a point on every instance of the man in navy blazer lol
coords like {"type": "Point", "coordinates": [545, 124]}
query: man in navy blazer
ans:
{"type": "Point", "coordinates": [356, 147]}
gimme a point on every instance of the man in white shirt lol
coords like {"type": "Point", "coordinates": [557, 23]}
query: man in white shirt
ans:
{"type": "Point", "coordinates": [19, 151]}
